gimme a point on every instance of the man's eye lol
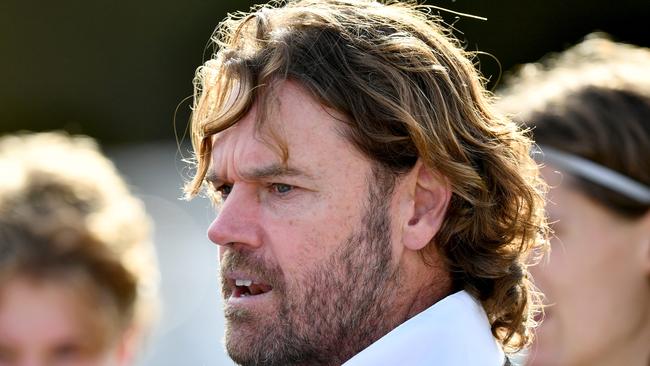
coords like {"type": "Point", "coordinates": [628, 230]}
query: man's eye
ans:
{"type": "Point", "coordinates": [281, 188]}
{"type": "Point", "coordinates": [224, 190]}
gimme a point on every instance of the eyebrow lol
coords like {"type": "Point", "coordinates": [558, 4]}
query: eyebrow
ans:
{"type": "Point", "coordinates": [262, 173]}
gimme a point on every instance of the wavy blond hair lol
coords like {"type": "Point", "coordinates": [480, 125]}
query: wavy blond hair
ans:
{"type": "Point", "coordinates": [66, 214]}
{"type": "Point", "coordinates": [408, 91]}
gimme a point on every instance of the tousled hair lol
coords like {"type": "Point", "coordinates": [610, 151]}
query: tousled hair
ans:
{"type": "Point", "coordinates": [407, 91]}
{"type": "Point", "coordinates": [66, 216]}
{"type": "Point", "coordinates": [593, 101]}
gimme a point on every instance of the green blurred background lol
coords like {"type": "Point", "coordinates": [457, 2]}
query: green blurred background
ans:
{"type": "Point", "coordinates": [117, 70]}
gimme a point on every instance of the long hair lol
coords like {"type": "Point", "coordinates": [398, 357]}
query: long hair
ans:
{"type": "Point", "coordinates": [408, 91]}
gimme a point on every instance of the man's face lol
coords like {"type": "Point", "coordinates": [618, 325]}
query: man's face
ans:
{"type": "Point", "coordinates": [306, 249]}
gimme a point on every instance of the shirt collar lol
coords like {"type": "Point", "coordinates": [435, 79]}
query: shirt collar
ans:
{"type": "Point", "coordinates": [454, 331]}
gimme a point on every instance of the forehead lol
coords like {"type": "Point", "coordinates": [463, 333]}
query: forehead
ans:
{"type": "Point", "coordinates": [55, 309]}
{"type": "Point", "coordinates": [26, 305]}
{"type": "Point", "coordinates": [311, 134]}
{"type": "Point", "coordinates": [565, 201]}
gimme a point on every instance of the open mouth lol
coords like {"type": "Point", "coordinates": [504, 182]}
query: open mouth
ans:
{"type": "Point", "coordinates": [247, 287]}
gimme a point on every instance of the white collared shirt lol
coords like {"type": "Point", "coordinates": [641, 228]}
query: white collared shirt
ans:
{"type": "Point", "coordinates": [454, 331]}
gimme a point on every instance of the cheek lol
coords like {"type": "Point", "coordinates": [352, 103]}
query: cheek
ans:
{"type": "Point", "coordinates": [578, 273]}
{"type": "Point", "coordinates": [580, 256]}
{"type": "Point", "coordinates": [304, 240]}
{"type": "Point", "coordinates": [589, 280]}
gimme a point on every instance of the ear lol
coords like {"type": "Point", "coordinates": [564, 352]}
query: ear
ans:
{"type": "Point", "coordinates": [430, 194]}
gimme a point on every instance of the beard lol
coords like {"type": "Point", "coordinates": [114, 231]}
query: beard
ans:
{"type": "Point", "coordinates": [339, 308]}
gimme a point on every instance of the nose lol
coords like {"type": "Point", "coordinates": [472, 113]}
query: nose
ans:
{"type": "Point", "coordinates": [237, 222]}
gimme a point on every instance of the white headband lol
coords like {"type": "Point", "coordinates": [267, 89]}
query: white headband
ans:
{"type": "Point", "coordinates": [595, 173]}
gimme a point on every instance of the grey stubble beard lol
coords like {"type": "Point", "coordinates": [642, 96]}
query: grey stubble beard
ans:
{"type": "Point", "coordinates": [345, 304]}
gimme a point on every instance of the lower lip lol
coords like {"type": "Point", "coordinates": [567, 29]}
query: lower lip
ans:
{"type": "Point", "coordinates": [250, 300]}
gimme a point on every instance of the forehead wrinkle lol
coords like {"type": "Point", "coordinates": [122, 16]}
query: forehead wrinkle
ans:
{"type": "Point", "coordinates": [249, 170]}
{"type": "Point", "coordinates": [265, 124]}
{"type": "Point", "coordinates": [273, 170]}
{"type": "Point", "coordinates": [230, 148]}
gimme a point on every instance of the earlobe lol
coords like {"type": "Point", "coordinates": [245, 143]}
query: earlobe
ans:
{"type": "Point", "coordinates": [431, 194]}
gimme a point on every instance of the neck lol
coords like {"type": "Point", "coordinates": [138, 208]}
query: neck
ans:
{"type": "Point", "coordinates": [431, 283]}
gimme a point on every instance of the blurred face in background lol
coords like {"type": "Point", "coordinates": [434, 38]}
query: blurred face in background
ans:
{"type": "Point", "coordinates": [46, 323]}
{"type": "Point", "coordinates": [596, 282]}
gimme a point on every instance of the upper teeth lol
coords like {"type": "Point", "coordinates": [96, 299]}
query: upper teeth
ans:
{"type": "Point", "coordinates": [243, 282]}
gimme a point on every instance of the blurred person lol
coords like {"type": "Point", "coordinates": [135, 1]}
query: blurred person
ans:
{"type": "Point", "coordinates": [77, 274]}
{"type": "Point", "coordinates": [589, 111]}
{"type": "Point", "coordinates": [372, 209]}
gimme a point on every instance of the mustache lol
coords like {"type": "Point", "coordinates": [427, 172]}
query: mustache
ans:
{"type": "Point", "coordinates": [235, 261]}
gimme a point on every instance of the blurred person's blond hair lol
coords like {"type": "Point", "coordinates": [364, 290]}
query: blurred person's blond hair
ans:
{"type": "Point", "coordinates": [591, 101]}
{"type": "Point", "coordinates": [67, 216]}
